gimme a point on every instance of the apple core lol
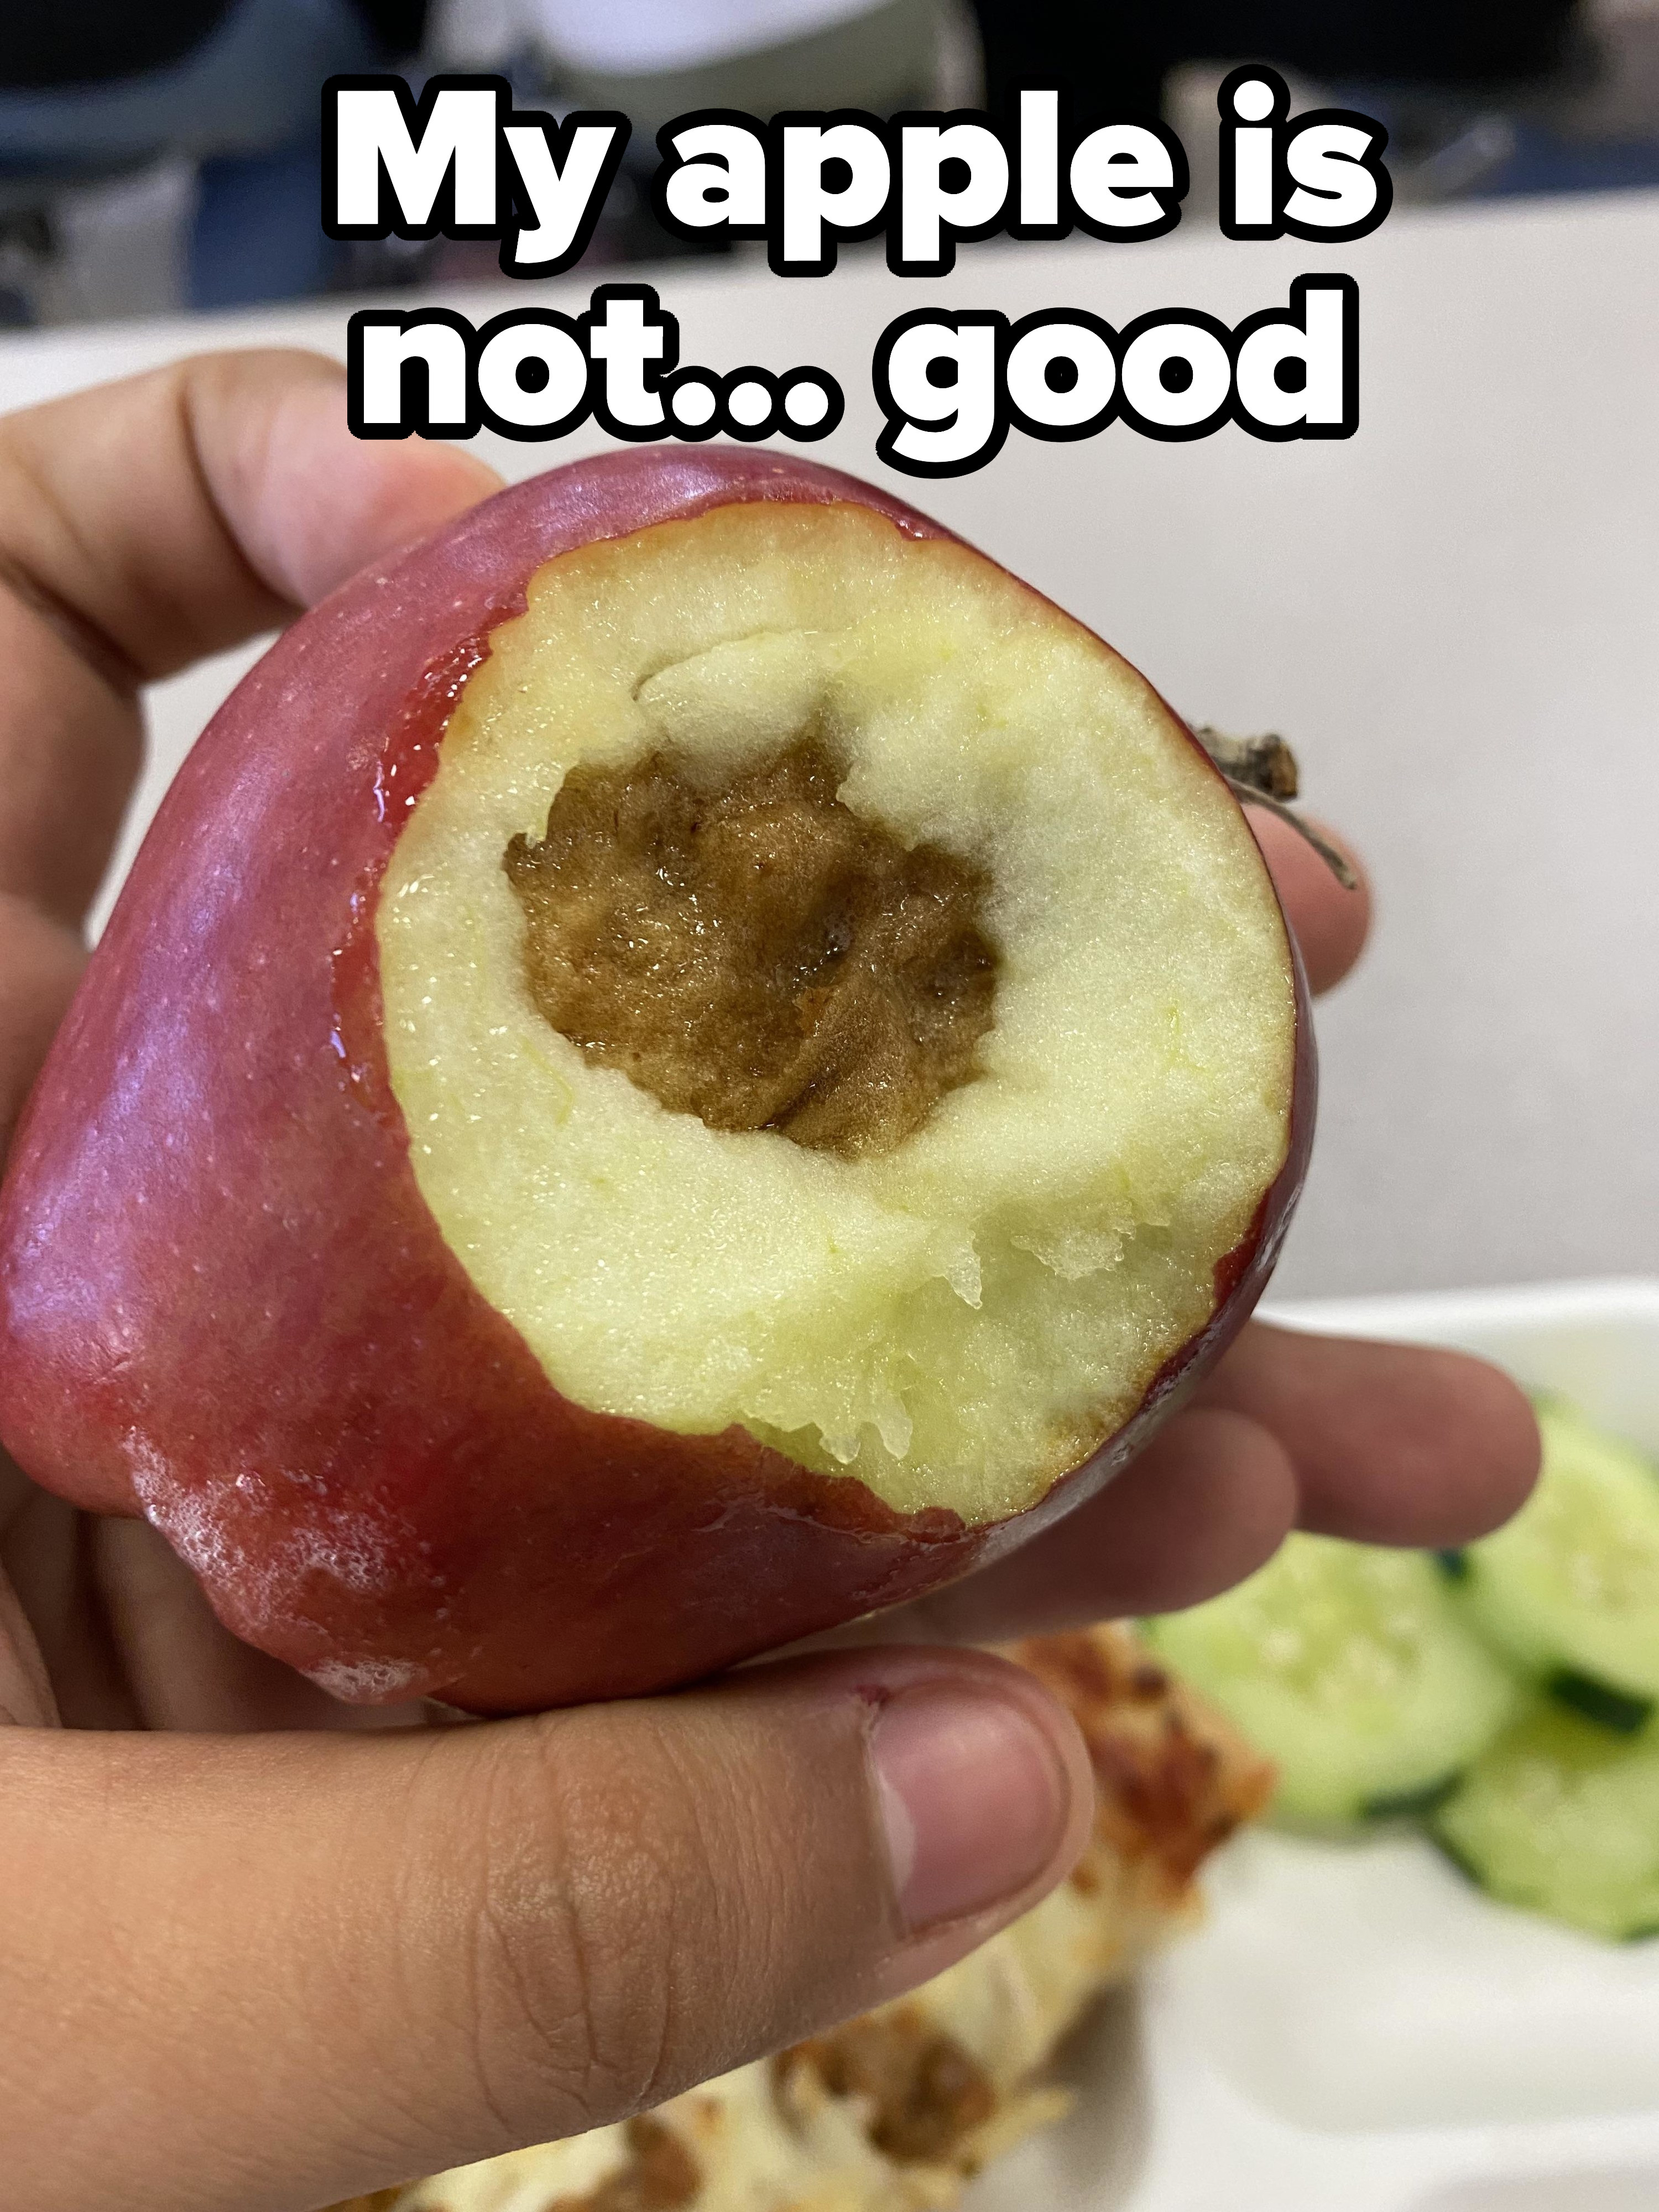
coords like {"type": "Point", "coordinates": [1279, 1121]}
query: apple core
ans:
{"type": "Point", "coordinates": [752, 951]}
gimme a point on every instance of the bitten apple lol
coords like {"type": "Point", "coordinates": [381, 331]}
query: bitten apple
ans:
{"type": "Point", "coordinates": [685, 1061]}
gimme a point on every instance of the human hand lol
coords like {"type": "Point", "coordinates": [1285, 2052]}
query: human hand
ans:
{"type": "Point", "coordinates": [259, 1950]}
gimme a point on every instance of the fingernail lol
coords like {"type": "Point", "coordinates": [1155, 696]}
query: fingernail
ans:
{"type": "Point", "coordinates": [974, 1799]}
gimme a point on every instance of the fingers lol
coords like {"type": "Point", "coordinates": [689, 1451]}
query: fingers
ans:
{"type": "Point", "coordinates": [1391, 1443]}
{"type": "Point", "coordinates": [143, 525]}
{"type": "Point", "coordinates": [306, 503]}
{"type": "Point", "coordinates": [1330, 923]}
{"type": "Point", "coordinates": [299, 1968]}
{"type": "Point", "coordinates": [102, 1625]}
{"type": "Point", "coordinates": [180, 1667]}
{"type": "Point", "coordinates": [1383, 1443]}
{"type": "Point", "coordinates": [171, 514]}
{"type": "Point", "coordinates": [40, 963]}
{"type": "Point", "coordinates": [26, 1700]}
{"type": "Point", "coordinates": [148, 522]}
{"type": "Point", "coordinates": [1211, 1497]}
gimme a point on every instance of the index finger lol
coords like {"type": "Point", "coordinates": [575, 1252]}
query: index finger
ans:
{"type": "Point", "coordinates": [148, 523]}
{"type": "Point", "coordinates": [1329, 921]}
{"type": "Point", "coordinates": [143, 525]}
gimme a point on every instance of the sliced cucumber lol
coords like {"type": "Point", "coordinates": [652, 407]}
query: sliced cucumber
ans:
{"type": "Point", "coordinates": [1562, 1817]}
{"type": "Point", "coordinates": [1570, 1588]}
{"type": "Point", "coordinates": [1353, 1670]}
{"type": "Point", "coordinates": [1599, 1702]}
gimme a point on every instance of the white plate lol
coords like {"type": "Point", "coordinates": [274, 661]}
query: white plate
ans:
{"type": "Point", "coordinates": [1355, 2029]}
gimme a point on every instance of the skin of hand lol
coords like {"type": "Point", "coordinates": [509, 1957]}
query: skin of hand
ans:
{"type": "Point", "coordinates": [259, 1951]}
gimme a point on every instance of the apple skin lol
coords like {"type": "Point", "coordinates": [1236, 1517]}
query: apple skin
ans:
{"type": "Point", "coordinates": [224, 1303]}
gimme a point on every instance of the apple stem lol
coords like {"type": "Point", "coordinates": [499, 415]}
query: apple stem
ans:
{"type": "Point", "coordinates": [1265, 763]}
{"type": "Point", "coordinates": [1263, 772]}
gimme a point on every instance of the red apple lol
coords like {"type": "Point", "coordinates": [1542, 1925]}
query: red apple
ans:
{"type": "Point", "coordinates": [462, 1353]}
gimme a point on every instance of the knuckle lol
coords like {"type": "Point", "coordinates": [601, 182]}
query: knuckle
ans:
{"type": "Point", "coordinates": [599, 1918]}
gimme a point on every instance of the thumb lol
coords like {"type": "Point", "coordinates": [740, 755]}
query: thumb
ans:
{"type": "Point", "coordinates": [299, 1968]}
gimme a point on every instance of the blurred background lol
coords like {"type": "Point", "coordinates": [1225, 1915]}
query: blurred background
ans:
{"type": "Point", "coordinates": [166, 156]}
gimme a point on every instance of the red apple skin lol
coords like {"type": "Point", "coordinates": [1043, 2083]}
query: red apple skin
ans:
{"type": "Point", "coordinates": [224, 1303]}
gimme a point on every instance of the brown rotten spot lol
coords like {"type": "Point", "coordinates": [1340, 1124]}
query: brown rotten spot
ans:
{"type": "Point", "coordinates": [753, 952]}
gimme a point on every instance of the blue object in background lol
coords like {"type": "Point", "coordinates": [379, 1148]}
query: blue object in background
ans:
{"type": "Point", "coordinates": [1543, 162]}
{"type": "Point", "coordinates": [245, 105]}
{"type": "Point", "coordinates": [256, 235]}
{"type": "Point", "coordinates": [253, 84]}
{"type": "Point", "coordinates": [1443, 146]}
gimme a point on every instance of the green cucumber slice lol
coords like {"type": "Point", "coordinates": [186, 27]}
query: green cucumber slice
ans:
{"type": "Point", "coordinates": [1353, 1670]}
{"type": "Point", "coordinates": [1568, 1589]}
{"type": "Point", "coordinates": [1597, 1701]}
{"type": "Point", "coordinates": [1562, 1818]}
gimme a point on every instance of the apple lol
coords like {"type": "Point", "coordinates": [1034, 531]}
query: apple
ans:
{"type": "Point", "coordinates": [685, 1061]}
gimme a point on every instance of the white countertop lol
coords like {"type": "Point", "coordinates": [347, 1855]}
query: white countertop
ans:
{"type": "Point", "coordinates": [1454, 616]}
